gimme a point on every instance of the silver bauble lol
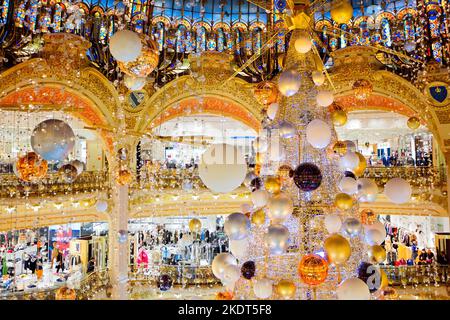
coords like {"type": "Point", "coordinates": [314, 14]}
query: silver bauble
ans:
{"type": "Point", "coordinates": [237, 226]}
{"type": "Point", "coordinates": [52, 139]}
{"type": "Point", "coordinates": [220, 262]}
{"type": "Point", "coordinates": [276, 238]}
{"type": "Point", "coordinates": [351, 227]}
{"type": "Point", "coordinates": [68, 173]}
{"type": "Point", "coordinates": [287, 130]}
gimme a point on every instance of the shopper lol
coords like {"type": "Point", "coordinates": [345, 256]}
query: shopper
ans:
{"type": "Point", "coordinates": [442, 258]}
{"type": "Point", "coordinates": [430, 256]}
{"type": "Point", "coordinates": [91, 265]}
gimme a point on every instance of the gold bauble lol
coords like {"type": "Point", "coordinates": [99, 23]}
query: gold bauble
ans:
{"type": "Point", "coordinates": [337, 249]}
{"type": "Point", "coordinates": [266, 92]}
{"type": "Point", "coordinates": [273, 184]}
{"type": "Point", "coordinates": [286, 289]}
{"type": "Point", "coordinates": [342, 13]}
{"type": "Point", "coordinates": [377, 254]}
{"type": "Point", "coordinates": [195, 225]}
{"type": "Point", "coordinates": [31, 167]}
{"type": "Point", "coordinates": [339, 117]}
{"type": "Point", "coordinates": [258, 217]}
{"type": "Point", "coordinates": [124, 177]}
{"type": "Point", "coordinates": [145, 63]}
{"type": "Point", "coordinates": [340, 148]}
{"type": "Point", "coordinates": [413, 123]}
{"type": "Point", "coordinates": [313, 269]}
{"type": "Point", "coordinates": [343, 201]}
{"type": "Point", "coordinates": [362, 165]}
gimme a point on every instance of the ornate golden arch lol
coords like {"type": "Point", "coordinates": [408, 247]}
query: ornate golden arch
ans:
{"type": "Point", "coordinates": [232, 98]}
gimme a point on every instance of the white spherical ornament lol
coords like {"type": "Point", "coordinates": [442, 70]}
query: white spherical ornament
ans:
{"type": "Point", "coordinates": [52, 139]}
{"type": "Point", "coordinates": [222, 168]}
{"type": "Point", "coordinates": [237, 226]}
{"type": "Point", "coordinates": [318, 78]}
{"type": "Point", "coordinates": [303, 44]}
{"type": "Point", "coordinates": [289, 82]}
{"type": "Point", "coordinates": [353, 289]}
{"type": "Point", "coordinates": [101, 205]}
{"type": "Point", "coordinates": [125, 45]}
{"type": "Point", "coordinates": [280, 207]}
{"type": "Point", "coordinates": [398, 190]}
{"type": "Point", "coordinates": [276, 238]}
{"type": "Point", "coordinates": [367, 190]}
{"type": "Point", "coordinates": [348, 185]}
{"type": "Point", "coordinates": [373, 237]}
{"type": "Point", "coordinates": [318, 133]}
{"type": "Point", "coordinates": [262, 288]}
{"type": "Point", "coordinates": [260, 198]}
{"type": "Point", "coordinates": [220, 262]}
{"type": "Point", "coordinates": [239, 248]}
{"type": "Point", "coordinates": [287, 130]}
{"type": "Point", "coordinates": [351, 227]}
{"type": "Point", "coordinates": [349, 161]}
{"type": "Point", "coordinates": [134, 83]}
{"type": "Point", "coordinates": [231, 274]}
{"type": "Point", "coordinates": [333, 223]}
{"type": "Point", "coordinates": [324, 98]}
{"type": "Point", "coordinates": [272, 110]}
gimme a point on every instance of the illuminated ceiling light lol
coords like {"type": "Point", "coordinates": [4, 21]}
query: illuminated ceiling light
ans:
{"type": "Point", "coordinates": [233, 195]}
{"type": "Point", "coordinates": [215, 196]}
{"type": "Point", "coordinates": [175, 198]}
{"type": "Point", "coordinates": [58, 205]}
{"type": "Point", "coordinates": [195, 197]}
{"type": "Point", "coordinates": [10, 209]}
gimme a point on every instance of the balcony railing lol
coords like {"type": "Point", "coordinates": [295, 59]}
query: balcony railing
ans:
{"type": "Point", "coordinates": [52, 184]}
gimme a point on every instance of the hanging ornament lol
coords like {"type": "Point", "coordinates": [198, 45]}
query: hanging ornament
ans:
{"type": "Point", "coordinates": [258, 217]}
{"type": "Point", "coordinates": [260, 198]}
{"type": "Point", "coordinates": [266, 92]}
{"type": "Point", "coordinates": [124, 177]}
{"type": "Point", "coordinates": [333, 223]}
{"type": "Point", "coordinates": [125, 45]}
{"type": "Point", "coordinates": [164, 282]}
{"type": "Point", "coordinates": [339, 118]}
{"type": "Point", "coordinates": [307, 177]}
{"type": "Point", "coordinates": [53, 139]}
{"type": "Point", "coordinates": [237, 226]}
{"type": "Point", "coordinates": [286, 289]}
{"type": "Point", "coordinates": [262, 288]}
{"type": "Point", "coordinates": [280, 207]}
{"type": "Point", "coordinates": [287, 130]}
{"type": "Point", "coordinates": [31, 167]}
{"type": "Point", "coordinates": [318, 78]}
{"type": "Point", "coordinates": [348, 185]}
{"type": "Point", "coordinates": [353, 289]}
{"type": "Point", "coordinates": [68, 173]}
{"type": "Point", "coordinates": [362, 165]}
{"type": "Point", "coordinates": [272, 184]}
{"type": "Point", "coordinates": [351, 227]}
{"type": "Point", "coordinates": [289, 82]}
{"type": "Point", "coordinates": [340, 148]}
{"type": "Point", "coordinates": [367, 190]}
{"type": "Point", "coordinates": [342, 13]}
{"type": "Point", "coordinates": [195, 225]}
{"type": "Point", "coordinates": [337, 249]}
{"type": "Point", "coordinates": [398, 190]}
{"type": "Point", "coordinates": [303, 43]}
{"type": "Point", "coordinates": [248, 269]}
{"type": "Point", "coordinates": [318, 133]}
{"type": "Point", "coordinates": [276, 238]}
{"type": "Point", "coordinates": [324, 98]}
{"type": "Point", "coordinates": [413, 123]}
{"type": "Point", "coordinates": [377, 254]}
{"type": "Point", "coordinates": [313, 269]}
{"type": "Point", "coordinates": [343, 201]}
{"type": "Point", "coordinates": [220, 262]}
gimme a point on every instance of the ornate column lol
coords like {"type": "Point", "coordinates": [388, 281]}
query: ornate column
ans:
{"type": "Point", "coordinates": [118, 249]}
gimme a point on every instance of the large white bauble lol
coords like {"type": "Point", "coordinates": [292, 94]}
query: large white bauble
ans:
{"type": "Point", "coordinates": [303, 43]}
{"type": "Point", "coordinates": [231, 274]}
{"type": "Point", "coordinates": [289, 82]}
{"type": "Point", "coordinates": [348, 185]}
{"type": "Point", "coordinates": [373, 237]}
{"type": "Point", "coordinates": [276, 238]}
{"type": "Point", "coordinates": [272, 110]}
{"type": "Point", "coordinates": [318, 77]}
{"type": "Point", "coordinates": [222, 168]}
{"type": "Point", "coordinates": [260, 198]}
{"type": "Point", "coordinates": [324, 98]}
{"type": "Point", "coordinates": [220, 262]}
{"type": "Point", "coordinates": [134, 83]}
{"type": "Point", "coordinates": [318, 133]}
{"type": "Point", "coordinates": [125, 45]}
{"type": "Point", "coordinates": [398, 190]}
{"type": "Point", "coordinates": [349, 161]}
{"type": "Point", "coordinates": [333, 223]}
{"type": "Point", "coordinates": [280, 207]}
{"type": "Point", "coordinates": [262, 288]}
{"type": "Point", "coordinates": [237, 226]}
{"type": "Point", "coordinates": [239, 248]}
{"type": "Point", "coordinates": [353, 289]}
{"type": "Point", "coordinates": [52, 139]}
{"type": "Point", "coordinates": [287, 130]}
{"type": "Point", "coordinates": [367, 190]}
{"type": "Point", "coordinates": [101, 205]}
